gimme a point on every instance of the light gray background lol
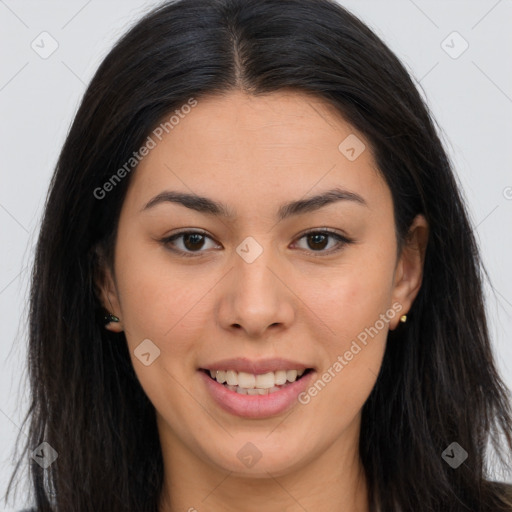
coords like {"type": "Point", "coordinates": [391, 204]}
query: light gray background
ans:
{"type": "Point", "coordinates": [471, 97]}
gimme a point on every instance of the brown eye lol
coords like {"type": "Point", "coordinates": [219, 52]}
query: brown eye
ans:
{"type": "Point", "coordinates": [318, 241]}
{"type": "Point", "coordinates": [187, 243]}
{"type": "Point", "coordinates": [193, 241]}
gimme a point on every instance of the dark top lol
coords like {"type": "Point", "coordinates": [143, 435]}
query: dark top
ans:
{"type": "Point", "coordinates": [506, 486]}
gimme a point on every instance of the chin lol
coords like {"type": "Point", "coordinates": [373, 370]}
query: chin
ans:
{"type": "Point", "coordinates": [259, 457]}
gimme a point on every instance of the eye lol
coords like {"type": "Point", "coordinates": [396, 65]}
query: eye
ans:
{"type": "Point", "coordinates": [318, 240]}
{"type": "Point", "coordinates": [191, 242]}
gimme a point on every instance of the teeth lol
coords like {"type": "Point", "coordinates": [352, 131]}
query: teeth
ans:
{"type": "Point", "coordinates": [280, 377]}
{"type": "Point", "coordinates": [291, 375]}
{"type": "Point", "coordinates": [247, 380]}
{"type": "Point", "coordinates": [265, 380]}
{"type": "Point", "coordinates": [231, 378]}
{"type": "Point", "coordinates": [250, 384]}
{"type": "Point", "coordinates": [256, 391]}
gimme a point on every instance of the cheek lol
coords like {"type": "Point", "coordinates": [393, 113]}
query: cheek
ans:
{"type": "Point", "coordinates": [162, 305]}
{"type": "Point", "coordinates": [158, 301]}
{"type": "Point", "coordinates": [351, 296]}
{"type": "Point", "coordinates": [353, 302]}
{"type": "Point", "coordinates": [352, 307]}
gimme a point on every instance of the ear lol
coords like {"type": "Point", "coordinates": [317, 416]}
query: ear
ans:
{"type": "Point", "coordinates": [106, 290]}
{"type": "Point", "coordinates": [409, 269]}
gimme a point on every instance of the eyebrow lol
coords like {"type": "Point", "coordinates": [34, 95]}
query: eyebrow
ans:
{"type": "Point", "coordinates": [210, 207]}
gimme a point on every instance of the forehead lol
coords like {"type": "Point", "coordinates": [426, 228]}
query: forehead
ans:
{"type": "Point", "coordinates": [252, 148]}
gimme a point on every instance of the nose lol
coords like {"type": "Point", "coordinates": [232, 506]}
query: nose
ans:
{"type": "Point", "coordinates": [255, 297]}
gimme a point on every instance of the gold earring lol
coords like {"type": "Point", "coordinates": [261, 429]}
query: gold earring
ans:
{"type": "Point", "coordinates": [403, 318]}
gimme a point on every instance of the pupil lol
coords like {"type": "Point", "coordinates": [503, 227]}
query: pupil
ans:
{"type": "Point", "coordinates": [316, 237]}
{"type": "Point", "coordinates": [196, 238]}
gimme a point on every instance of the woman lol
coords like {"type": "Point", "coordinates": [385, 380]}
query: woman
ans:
{"type": "Point", "coordinates": [255, 205]}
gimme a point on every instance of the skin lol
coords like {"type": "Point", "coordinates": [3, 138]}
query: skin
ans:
{"type": "Point", "coordinates": [297, 299]}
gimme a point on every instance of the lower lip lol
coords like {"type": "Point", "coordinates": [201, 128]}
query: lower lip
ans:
{"type": "Point", "coordinates": [256, 406]}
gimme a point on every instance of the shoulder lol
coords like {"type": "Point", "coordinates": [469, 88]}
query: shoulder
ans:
{"type": "Point", "coordinates": [504, 490]}
{"type": "Point", "coordinates": [505, 487]}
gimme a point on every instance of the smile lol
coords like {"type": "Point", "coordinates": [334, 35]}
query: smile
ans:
{"type": "Point", "coordinates": [256, 395]}
{"type": "Point", "coordinates": [251, 384]}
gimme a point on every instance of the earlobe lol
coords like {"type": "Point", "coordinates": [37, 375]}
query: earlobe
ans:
{"type": "Point", "coordinates": [106, 291]}
{"type": "Point", "coordinates": [409, 270]}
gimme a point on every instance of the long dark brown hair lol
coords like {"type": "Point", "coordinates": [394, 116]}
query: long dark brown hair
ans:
{"type": "Point", "coordinates": [438, 383]}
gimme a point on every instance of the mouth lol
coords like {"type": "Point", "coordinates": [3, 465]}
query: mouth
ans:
{"type": "Point", "coordinates": [256, 395]}
{"type": "Point", "coordinates": [244, 383]}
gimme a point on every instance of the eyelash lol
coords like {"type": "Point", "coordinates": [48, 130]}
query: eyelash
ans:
{"type": "Point", "coordinates": [342, 241]}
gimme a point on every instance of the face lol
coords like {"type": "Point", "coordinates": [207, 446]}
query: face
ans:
{"type": "Point", "coordinates": [255, 289]}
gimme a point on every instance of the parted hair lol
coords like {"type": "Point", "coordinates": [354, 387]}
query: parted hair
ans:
{"type": "Point", "coordinates": [438, 382]}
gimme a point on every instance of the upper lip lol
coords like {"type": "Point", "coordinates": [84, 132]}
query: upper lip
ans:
{"type": "Point", "coordinates": [256, 367]}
